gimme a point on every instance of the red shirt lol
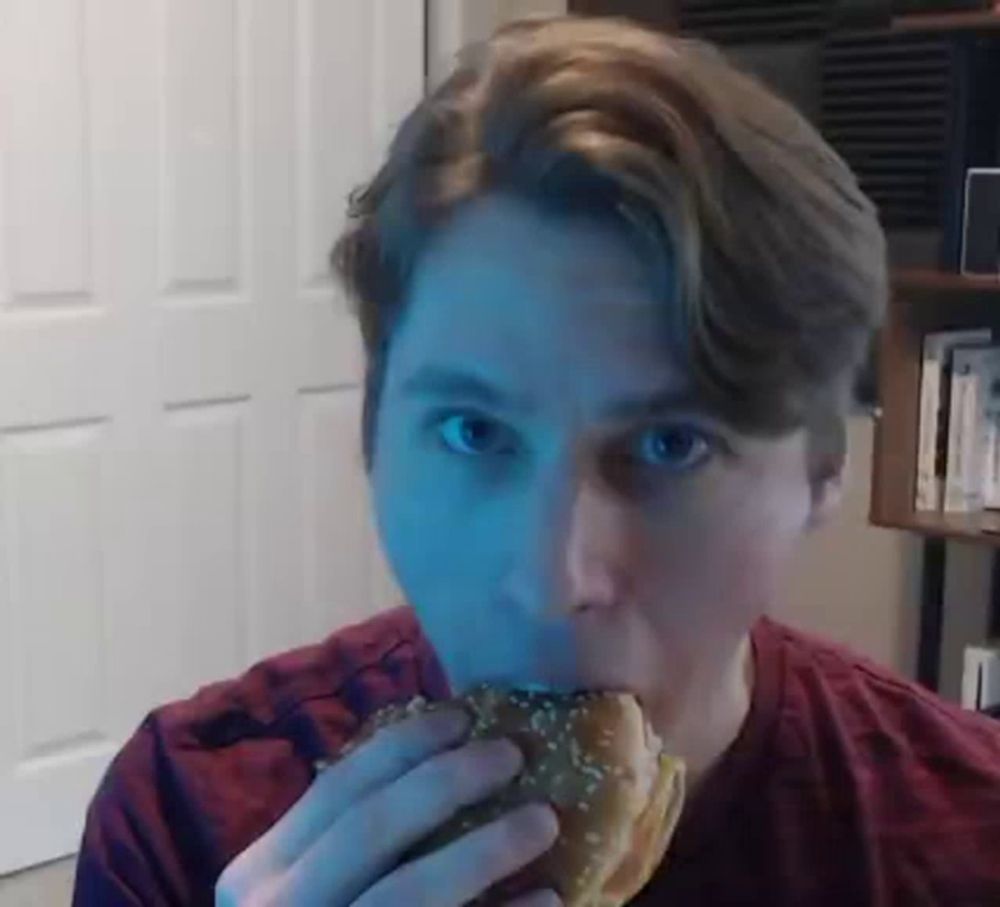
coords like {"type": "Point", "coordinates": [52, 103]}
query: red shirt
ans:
{"type": "Point", "coordinates": [846, 785]}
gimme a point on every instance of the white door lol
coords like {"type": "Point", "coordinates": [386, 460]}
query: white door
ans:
{"type": "Point", "coordinates": [181, 489]}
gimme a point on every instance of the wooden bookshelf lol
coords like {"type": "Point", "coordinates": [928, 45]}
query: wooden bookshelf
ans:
{"type": "Point", "coordinates": [923, 281]}
{"type": "Point", "coordinates": [980, 528]}
{"type": "Point", "coordinates": [981, 20]}
{"type": "Point", "coordinates": [922, 301]}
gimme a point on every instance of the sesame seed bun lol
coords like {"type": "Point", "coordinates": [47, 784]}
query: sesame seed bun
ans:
{"type": "Point", "coordinates": [594, 757]}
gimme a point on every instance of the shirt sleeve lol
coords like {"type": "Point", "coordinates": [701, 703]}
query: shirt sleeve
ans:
{"type": "Point", "coordinates": [127, 855]}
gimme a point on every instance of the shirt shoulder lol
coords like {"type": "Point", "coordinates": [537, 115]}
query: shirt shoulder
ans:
{"type": "Point", "coordinates": [852, 698]}
{"type": "Point", "coordinates": [341, 679]}
{"type": "Point", "coordinates": [204, 777]}
{"type": "Point", "coordinates": [912, 778]}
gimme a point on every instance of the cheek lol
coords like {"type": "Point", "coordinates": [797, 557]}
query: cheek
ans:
{"type": "Point", "coordinates": [426, 533]}
{"type": "Point", "coordinates": [720, 557]}
{"type": "Point", "coordinates": [413, 541]}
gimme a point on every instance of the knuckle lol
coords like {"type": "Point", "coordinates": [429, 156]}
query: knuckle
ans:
{"type": "Point", "coordinates": [430, 732]}
{"type": "Point", "coordinates": [414, 743]}
{"type": "Point", "coordinates": [515, 839]}
{"type": "Point", "coordinates": [401, 745]}
{"type": "Point", "coordinates": [403, 887]}
{"type": "Point", "coordinates": [467, 774]}
{"type": "Point", "coordinates": [508, 842]}
{"type": "Point", "coordinates": [373, 825]}
{"type": "Point", "coordinates": [451, 772]}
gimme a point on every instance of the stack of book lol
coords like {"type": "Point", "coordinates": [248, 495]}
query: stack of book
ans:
{"type": "Point", "coordinates": [958, 453]}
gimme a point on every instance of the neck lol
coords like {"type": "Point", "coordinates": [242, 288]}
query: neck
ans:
{"type": "Point", "coordinates": [711, 716]}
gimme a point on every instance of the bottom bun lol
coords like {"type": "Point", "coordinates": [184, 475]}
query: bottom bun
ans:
{"type": "Point", "coordinates": [651, 837]}
{"type": "Point", "coordinates": [595, 759]}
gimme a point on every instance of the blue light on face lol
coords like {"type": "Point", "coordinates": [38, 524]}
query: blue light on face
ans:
{"type": "Point", "coordinates": [672, 448]}
{"type": "Point", "coordinates": [471, 434]}
{"type": "Point", "coordinates": [675, 447]}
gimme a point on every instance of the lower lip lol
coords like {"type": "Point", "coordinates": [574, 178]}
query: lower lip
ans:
{"type": "Point", "coordinates": [545, 688]}
{"type": "Point", "coordinates": [536, 688]}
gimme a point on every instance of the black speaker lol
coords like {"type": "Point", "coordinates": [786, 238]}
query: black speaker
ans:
{"type": "Point", "coordinates": [981, 227]}
{"type": "Point", "coordinates": [912, 114]}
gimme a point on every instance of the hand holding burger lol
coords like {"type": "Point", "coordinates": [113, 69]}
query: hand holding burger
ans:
{"type": "Point", "coordinates": [596, 760]}
{"type": "Point", "coordinates": [415, 812]}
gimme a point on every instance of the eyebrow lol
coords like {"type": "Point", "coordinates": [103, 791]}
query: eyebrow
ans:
{"type": "Point", "coordinates": [454, 384]}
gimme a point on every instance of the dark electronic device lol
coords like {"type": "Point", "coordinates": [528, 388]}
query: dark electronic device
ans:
{"type": "Point", "coordinates": [895, 104]}
{"type": "Point", "coordinates": [981, 227]}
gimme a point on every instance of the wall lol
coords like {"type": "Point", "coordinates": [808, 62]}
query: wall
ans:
{"type": "Point", "coordinates": [44, 886]}
{"type": "Point", "coordinates": [855, 583]}
{"type": "Point", "coordinates": [966, 615]}
{"type": "Point", "coordinates": [454, 23]}
{"type": "Point", "coordinates": [861, 585]}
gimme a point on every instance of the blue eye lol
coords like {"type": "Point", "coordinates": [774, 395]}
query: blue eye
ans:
{"type": "Point", "coordinates": [470, 434]}
{"type": "Point", "coordinates": [678, 447]}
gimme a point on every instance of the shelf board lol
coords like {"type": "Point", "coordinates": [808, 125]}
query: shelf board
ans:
{"type": "Point", "coordinates": [917, 280]}
{"type": "Point", "coordinates": [979, 20]}
{"type": "Point", "coordinates": [982, 528]}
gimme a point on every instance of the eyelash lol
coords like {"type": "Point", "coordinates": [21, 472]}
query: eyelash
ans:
{"type": "Point", "coordinates": [712, 443]}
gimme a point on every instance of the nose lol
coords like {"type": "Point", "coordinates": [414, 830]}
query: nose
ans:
{"type": "Point", "coordinates": [594, 551]}
{"type": "Point", "coordinates": [586, 547]}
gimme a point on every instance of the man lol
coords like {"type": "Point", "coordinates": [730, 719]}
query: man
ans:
{"type": "Point", "coordinates": [613, 296]}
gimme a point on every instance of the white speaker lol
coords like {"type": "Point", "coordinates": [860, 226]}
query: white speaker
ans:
{"type": "Point", "coordinates": [981, 678]}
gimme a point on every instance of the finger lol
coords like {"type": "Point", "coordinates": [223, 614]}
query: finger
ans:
{"type": "Point", "coordinates": [368, 840]}
{"type": "Point", "coordinates": [464, 869]}
{"type": "Point", "coordinates": [390, 754]}
{"type": "Point", "coordinates": [546, 898]}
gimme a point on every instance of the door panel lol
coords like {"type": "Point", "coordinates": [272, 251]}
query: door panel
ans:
{"type": "Point", "coordinates": [181, 487]}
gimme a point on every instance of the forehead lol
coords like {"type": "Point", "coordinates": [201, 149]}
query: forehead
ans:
{"type": "Point", "coordinates": [541, 302]}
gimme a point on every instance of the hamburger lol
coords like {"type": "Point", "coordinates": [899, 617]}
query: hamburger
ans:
{"type": "Point", "coordinates": [594, 757]}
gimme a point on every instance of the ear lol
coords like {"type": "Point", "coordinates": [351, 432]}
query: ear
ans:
{"type": "Point", "coordinates": [827, 475]}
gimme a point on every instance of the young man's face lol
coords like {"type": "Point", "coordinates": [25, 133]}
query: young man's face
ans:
{"type": "Point", "coordinates": [544, 528]}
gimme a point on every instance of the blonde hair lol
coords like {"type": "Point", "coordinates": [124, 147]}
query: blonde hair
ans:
{"type": "Point", "coordinates": [769, 258]}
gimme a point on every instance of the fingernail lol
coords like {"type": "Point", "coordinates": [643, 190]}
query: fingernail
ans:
{"type": "Point", "coordinates": [450, 724]}
{"type": "Point", "coordinates": [546, 898]}
{"type": "Point", "coordinates": [506, 755]}
{"type": "Point", "coordinates": [537, 823]}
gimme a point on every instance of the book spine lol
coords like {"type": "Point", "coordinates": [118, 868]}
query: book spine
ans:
{"type": "Point", "coordinates": [993, 493]}
{"type": "Point", "coordinates": [991, 434]}
{"type": "Point", "coordinates": [971, 677]}
{"type": "Point", "coordinates": [988, 440]}
{"type": "Point", "coordinates": [948, 342]}
{"type": "Point", "coordinates": [975, 459]}
{"type": "Point", "coordinates": [957, 465]}
{"type": "Point", "coordinates": [927, 497]}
